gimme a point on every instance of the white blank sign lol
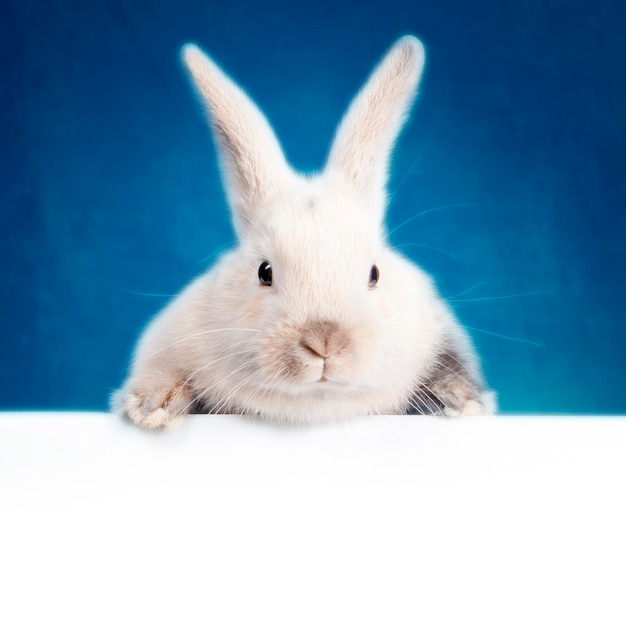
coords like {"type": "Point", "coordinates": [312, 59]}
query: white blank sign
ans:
{"type": "Point", "coordinates": [383, 520]}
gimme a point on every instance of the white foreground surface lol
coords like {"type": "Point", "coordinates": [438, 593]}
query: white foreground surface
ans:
{"type": "Point", "coordinates": [390, 520]}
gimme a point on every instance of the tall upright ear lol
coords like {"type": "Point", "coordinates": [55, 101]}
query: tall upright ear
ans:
{"type": "Point", "coordinates": [363, 142]}
{"type": "Point", "coordinates": [252, 162]}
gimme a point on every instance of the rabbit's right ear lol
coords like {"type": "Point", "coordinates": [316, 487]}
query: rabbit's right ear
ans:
{"type": "Point", "coordinates": [252, 162]}
{"type": "Point", "coordinates": [362, 146]}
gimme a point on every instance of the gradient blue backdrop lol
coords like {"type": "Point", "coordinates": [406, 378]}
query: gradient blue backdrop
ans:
{"type": "Point", "coordinates": [109, 190]}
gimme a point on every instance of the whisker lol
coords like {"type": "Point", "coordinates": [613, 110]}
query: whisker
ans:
{"type": "Point", "coordinates": [265, 392]}
{"type": "Point", "coordinates": [201, 369]}
{"type": "Point", "coordinates": [426, 404]}
{"type": "Point", "coordinates": [461, 293]}
{"type": "Point", "coordinates": [199, 334]}
{"type": "Point", "coordinates": [501, 336]}
{"type": "Point", "coordinates": [410, 170]}
{"type": "Point", "coordinates": [204, 392]}
{"type": "Point", "coordinates": [186, 383]}
{"type": "Point", "coordinates": [224, 403]}
{"type": "Point", "coordinates": [504, 297]}
{"type": "Point", "coordinates": [133, 291]}
{"type": "Point", "coordinates": [217, 252]}
{"type": "Point", "coordinates": [364, 334]}
{"type": "Point", "coordinates": [438, 208]}
{"type": "Point", "coordinates": [423, 245]}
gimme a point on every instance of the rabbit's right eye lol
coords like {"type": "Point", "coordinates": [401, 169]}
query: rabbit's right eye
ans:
{"type": "Point", "coordinates": [265, 274]}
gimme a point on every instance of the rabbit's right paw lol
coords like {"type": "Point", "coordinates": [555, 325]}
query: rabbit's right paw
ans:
{"type": "Point", "coordinates": [153, 408]}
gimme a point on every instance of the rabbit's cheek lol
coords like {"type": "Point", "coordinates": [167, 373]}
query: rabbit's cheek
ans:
{"type": "Point", "coordinates": [254, 310]}
{"type": "Point", "coordinates": [288, 365]}
{"type": "Point", "coordinates": [280, 360]}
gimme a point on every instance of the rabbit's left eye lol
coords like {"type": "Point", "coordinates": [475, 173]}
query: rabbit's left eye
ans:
{"type": "Point", "coordinates": [374, 276]}
{"type": "Point", "coordinates": [265, 274]}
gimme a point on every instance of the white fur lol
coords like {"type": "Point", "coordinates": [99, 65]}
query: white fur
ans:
{"type": "Point", "coordinates": [318, 344]}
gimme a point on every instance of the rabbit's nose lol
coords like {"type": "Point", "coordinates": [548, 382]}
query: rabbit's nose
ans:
{"type": "Point", "coordinates": [324, 338]}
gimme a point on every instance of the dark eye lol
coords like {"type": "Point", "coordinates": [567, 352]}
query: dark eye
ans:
{"type": "Point", "coordinates": [265, 274]}
{"type": "Point", "coordinates": [374, 276]}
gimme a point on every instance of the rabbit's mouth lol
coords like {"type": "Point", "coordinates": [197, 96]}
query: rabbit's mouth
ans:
{"type": "Point", "coordinates": [329, 372]}
{"type": "Point", "coordinates": [328, 383]}
{"type": "Point", "coordinates": [329, 377]}
{"type": "Point", "coordinates": [320, 356]}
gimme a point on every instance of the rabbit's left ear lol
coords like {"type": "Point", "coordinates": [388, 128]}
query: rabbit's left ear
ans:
{"type": "Point", "coordinates": [252, 162]}
{"type": "Point", "coordinates": [362, 146]}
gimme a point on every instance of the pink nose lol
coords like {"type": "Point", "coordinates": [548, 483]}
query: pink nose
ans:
{"type": "Point", "coordinates": [324, 338]}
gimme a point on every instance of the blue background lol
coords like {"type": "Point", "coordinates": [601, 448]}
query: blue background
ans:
{"type": "Point", "coordinates": [111, 201]}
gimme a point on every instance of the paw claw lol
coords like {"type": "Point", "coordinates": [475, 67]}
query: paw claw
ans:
{"type": "Point", "coordinates": [154, 410]}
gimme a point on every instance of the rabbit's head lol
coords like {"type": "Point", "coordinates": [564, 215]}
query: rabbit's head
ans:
{"type": "Point", "coordinates": [337, 316]}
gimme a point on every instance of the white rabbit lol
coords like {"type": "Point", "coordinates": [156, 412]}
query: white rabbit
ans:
{"type": "Point", "coordinates": [312, 317]}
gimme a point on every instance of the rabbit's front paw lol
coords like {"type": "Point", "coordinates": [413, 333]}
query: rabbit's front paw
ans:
{"type": "Point", "coordinates": [154, 408]}
{"type": "Point", "coordinates": [483, 404]}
